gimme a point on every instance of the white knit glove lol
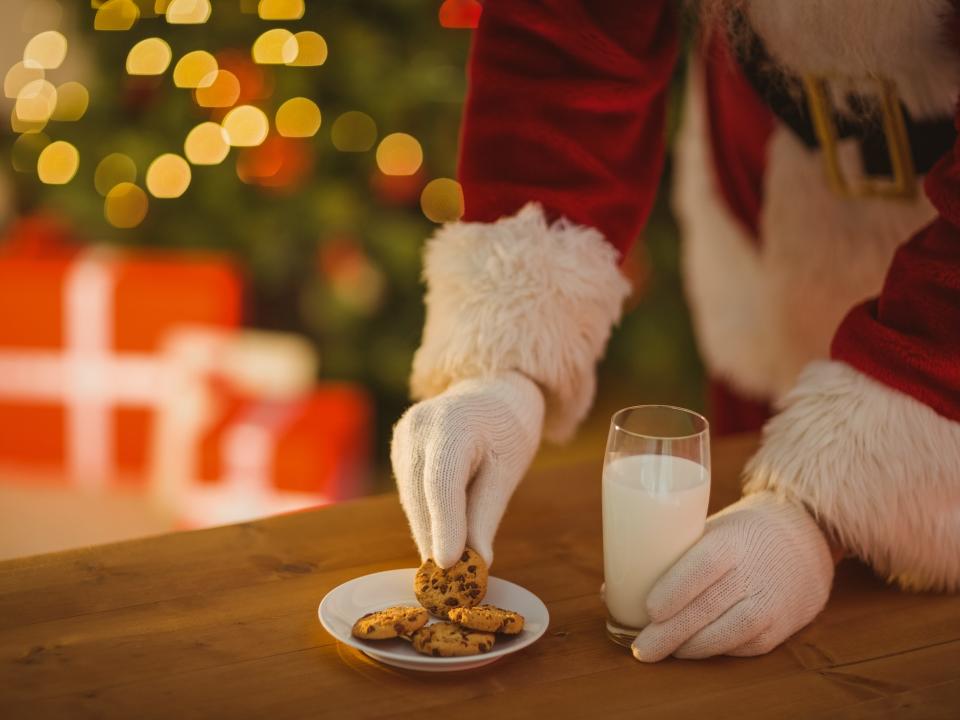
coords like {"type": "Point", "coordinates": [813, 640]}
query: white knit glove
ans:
{"type": "Point", "coordinates": [458, 458]}
{"type": "Point", "coordinates": [761, 571]}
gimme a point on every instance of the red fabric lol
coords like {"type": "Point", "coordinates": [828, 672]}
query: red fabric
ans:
{"type": "Point", "coordinates": [740, 128]}
{"type": "Point", "coordinates": [566, 106]}
{"type": "Point", "coordinates": [730, 412]}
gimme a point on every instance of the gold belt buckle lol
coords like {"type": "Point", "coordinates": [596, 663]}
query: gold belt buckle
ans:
{"type": "Point", "coordinates": [904, 182]}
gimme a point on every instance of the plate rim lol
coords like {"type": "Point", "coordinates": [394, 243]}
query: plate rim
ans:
{"type": "Point", "coordinates": [494, 654]}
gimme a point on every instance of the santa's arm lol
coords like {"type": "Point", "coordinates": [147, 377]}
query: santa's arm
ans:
{"type": "Point", "coordinates": [870, 441]}
{"type": "Point", "coordinates": [561, 153]}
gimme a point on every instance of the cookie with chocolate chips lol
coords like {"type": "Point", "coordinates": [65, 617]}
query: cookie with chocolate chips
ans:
{"type": "Point", "coordinates": [390, 623]}
{"type": "Point", "coordinates": [463, 584]}
{"type": "Point", "coordinates": [444, 639]}
{"type": "Point", "coordinates": [488, 619]}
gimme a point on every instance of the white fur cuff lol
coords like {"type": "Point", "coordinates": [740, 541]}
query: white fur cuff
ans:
{"type": "Point", "coordinates": [519, 294]}
{"type": "Point", "coordinates": [879, 468]}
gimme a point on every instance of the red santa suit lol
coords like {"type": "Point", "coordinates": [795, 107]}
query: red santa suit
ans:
{"type": "Point", "coordinates": [842, 310]}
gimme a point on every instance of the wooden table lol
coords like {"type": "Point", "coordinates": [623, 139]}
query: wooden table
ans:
{"type": "Point", "coordinates": [222, 623]}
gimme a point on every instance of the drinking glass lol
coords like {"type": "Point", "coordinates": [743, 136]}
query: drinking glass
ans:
{"type": "Point", "coordinates": [656, 486]}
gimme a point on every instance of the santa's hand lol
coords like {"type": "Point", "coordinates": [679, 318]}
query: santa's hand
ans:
{"type": "Point", "coordinates": [761, 571]}
{"type": "Point", "coordinates": [458, 457]}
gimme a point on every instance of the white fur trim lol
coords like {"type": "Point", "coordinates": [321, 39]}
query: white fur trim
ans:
{"type": "Point", "coordinates": [877, 467]}
{"type": "Point", "coordinates": [907, 42]}
{"type": "Point", "coordinates": [762, 313]}
{"type": "Point", "coordinates": [520, 294]}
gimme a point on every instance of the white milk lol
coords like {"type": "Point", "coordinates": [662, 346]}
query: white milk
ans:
{"type": "Point", "coordinates": [654, 508]}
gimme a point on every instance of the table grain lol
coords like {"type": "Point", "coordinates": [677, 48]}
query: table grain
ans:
{"type": "Point", "coordinates": [222, 623]}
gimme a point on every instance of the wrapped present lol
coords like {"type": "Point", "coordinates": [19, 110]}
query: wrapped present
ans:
{"type": "Point", "coordinates": [263, 457]}
{"type": "Point", "coordinates": [80, 369]}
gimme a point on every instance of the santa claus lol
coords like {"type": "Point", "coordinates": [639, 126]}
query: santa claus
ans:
{"type": "Point", "coordinates": [818, 194]}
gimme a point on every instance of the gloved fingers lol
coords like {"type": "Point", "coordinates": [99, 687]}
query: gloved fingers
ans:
{"type": "Point", "coordinates": [447, 470]}
{"type": "Point", "coordinates": [725, 634]}
{"type": "Point", "coordinates": [765, 641]}
{"type": "Point", "coordinates": [487, 500]}
{"type": "Point", "coordinates": [699, 568]}
{"type": "Point", "coordinates": [660, 639]}
{"type": "Point", "coordinates": [406, 457]}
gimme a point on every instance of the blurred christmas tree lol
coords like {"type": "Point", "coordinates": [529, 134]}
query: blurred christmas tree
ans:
{"type": "Point", "coordinates": [328, 223]}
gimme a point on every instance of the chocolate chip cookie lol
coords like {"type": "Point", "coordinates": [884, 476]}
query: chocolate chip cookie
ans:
{"type": "Point", "coordinates": [444, 639]}
{"type": "Point", "coordinates": [488, 619]}
{"type": "Point", "coordinates": [463, 584]}
{"type": "Point", "coordinates": [390, 623]}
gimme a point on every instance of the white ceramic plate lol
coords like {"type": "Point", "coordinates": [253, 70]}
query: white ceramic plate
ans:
{"type": "Point", "coordinates": [341, 607]}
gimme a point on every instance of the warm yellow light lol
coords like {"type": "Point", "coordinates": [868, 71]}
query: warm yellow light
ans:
{"type": "Point", "coordinates": [442, 200]}
{"type": "Point", "coordinates": [18, 77]}
{"type": "Point", "coordinates": [46, 50]}
{"type": "Point", "coordinates": [195, 70]}
{"type": "Point", "coordinates": [23, 126]}
{"type": "Point", "coordinates": [114, 169]}
{"type": "Point", "coordinates": [168, 176]}
{"type": "Point", "coordinates": [26, 149]}
{"type": "Point", "coordinates": [280, 9]}
{"type": "Point", "coordinates": [125, 205]}
{"type": "Point", "coordinates": [188, 12]}
{"type": "Point", "coordinates": [58, 163]}
{"type": "Point", "coordinates": [222, 92]}
{"type": "Point", "coordinates": [353, 131]}
{"type": "Point", "coordinates": [311, 49]}
{"type": "Point", "coordinates": [160, 6]}
{"type": "Point", "coordinates": [207, 144]}
{"type": "Point", "coordinates": [149, 57]}
{"type": "Point", "coordinates": [36, 101]}
{"type": "Point", "coordinates": [399, 154]}
{"type": "Point", "coordinates": [246, 126]}
{"type": "Point", "coordinates": [116, 15]}
{"type": "Point", "coordinates": [72, 102]}
{"type": "Point", "coordinates": [298, 117]}
{"type": "Point", "coordinates": [275, 47]}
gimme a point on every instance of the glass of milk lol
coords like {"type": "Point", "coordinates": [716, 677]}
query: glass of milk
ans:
{"type": "Point", "coordinates": [656, 484]}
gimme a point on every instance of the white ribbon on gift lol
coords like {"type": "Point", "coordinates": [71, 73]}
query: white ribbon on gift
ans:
{"type": "Point", "coordinates": [88, 376]}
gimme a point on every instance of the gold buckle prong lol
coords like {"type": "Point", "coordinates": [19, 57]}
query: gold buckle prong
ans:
{"type": "Point", "coordinates": [903, 185]}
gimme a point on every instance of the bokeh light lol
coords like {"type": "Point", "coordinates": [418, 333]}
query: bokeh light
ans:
{"type": "Point", "coordinates": [442, 200]}
{"type": "Point", "coordinates": [221, 93]}
{"type": "Point", "coordinates": [207, 144]}
{"type": "Point", "coordinates": [151, 56]}
{"type": "Point", "coordinates": [114, 169]}
{"type": "Point", "coordinates": [116, 15]}
{"type": "Point", "coordinates": [275, 47]}
{"type": "Point", "coordinates": [311, 49]}
{"type": "Point", "coordinates": [168, 176]}
{"type": "Point", "coordinates": [195, 69]}
{"type": "Point", "coordinates": [354, 131]}
{"type": "Point", "coordinates": [246, 126]}
{"type": "Point", "coordinates": [26, 151]}
{"type": "Point", "coordinates": [58, 163]}
{"type": "Point", "coordinates": [280, 9]}
{"type": "Point", "coordinates": [24, 126]}
{"type": "Point", "coordinates": [36, 101]}
{"type": "Point", "coordinates": [46, 50]}
{"type": "Point", "coordinates": [18, 77]}
{"type": "Point", "coordinates": [188, 12]}
{"type": "Point", "coordinates": [298, 117]}
{"type": "Point", "coordinates": [399, 154]}
{"type": "Point", "coordinates": [125, 205]}
{"type": "Point", "coordinates": [72, 102]}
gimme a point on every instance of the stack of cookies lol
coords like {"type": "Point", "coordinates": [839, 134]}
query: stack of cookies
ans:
{"type": "Point", "coordinates": [453, 595]}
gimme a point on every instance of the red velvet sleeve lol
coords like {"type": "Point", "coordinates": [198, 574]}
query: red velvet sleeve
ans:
{"type": "Point", "coordinates": [909, 337]}
{"type": "Point", "coordinates": [566, 107]}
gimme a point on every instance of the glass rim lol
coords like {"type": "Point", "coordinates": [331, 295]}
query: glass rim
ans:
{"type": "Point", "coordinates": [614, 422]}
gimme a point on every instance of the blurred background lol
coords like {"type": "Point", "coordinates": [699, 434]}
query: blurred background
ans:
{"type": "Point", "coordinates": [211, 217]}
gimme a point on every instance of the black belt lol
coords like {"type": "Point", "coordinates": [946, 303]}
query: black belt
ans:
{"type": "Point", "coordinates": [927, 140]}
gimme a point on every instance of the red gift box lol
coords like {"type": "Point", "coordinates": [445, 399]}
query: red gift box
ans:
{"type": "Point", "coordinates": [79, 366]}
{"type": "Point", "coordinates": [261, 457]}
